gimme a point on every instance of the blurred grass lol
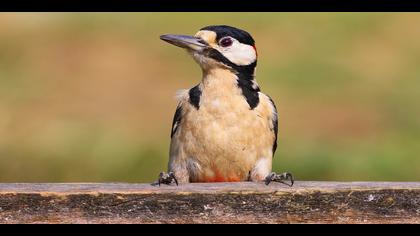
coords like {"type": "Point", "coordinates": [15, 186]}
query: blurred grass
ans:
{"type": "Point", "coordinates": [90, 96]}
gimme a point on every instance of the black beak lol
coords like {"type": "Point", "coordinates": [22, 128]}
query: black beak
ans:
{"type": "Point", "coordinates": [185, 41]}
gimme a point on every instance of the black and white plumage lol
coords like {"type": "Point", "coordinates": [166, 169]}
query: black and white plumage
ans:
{"type": "Point", "coordinates": [224, 129]}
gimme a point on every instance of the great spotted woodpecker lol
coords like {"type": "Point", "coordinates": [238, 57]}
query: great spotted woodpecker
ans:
{"type": "Point", "coordinates": [224, 128]}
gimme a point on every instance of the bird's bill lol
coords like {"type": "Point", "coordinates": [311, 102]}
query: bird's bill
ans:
{"type": "Point", "coordinates": [185, 41]}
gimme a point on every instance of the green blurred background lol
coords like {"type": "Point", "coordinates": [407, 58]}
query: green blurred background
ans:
{"type": "Point", "coordinates": [90, 97]}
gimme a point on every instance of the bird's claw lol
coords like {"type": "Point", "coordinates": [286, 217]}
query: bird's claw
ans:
{"type": "Point", "coordinates": [167, 178]}
{"type": "Point", "coordinates": [281, 178]}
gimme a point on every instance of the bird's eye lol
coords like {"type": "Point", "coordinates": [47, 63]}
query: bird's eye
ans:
{"type": "Point", "coordinates": [225, 42]}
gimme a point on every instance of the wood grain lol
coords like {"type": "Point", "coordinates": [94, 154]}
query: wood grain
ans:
{"type": "Point", "coordinates": [306, 202]}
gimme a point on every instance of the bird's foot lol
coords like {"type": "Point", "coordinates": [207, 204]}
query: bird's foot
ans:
{"type": "Point", "coordinates": [281, 178]}
{"type": "Point", "coordinates": [166, 178]}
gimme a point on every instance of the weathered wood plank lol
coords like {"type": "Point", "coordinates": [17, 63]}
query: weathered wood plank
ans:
{"type": "Point", "coordinates": [306, 202]}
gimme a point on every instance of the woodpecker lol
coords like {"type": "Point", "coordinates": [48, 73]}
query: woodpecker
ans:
{"type": "Point", "coordinates": [224, 129]}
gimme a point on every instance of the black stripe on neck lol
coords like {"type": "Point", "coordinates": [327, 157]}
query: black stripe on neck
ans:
{"type": "Point", "coordinates": [246, 69]}
{"type": "Point", "coordinates": [245, 75]}
{"type": "Point", "coordinates": [248, 91]}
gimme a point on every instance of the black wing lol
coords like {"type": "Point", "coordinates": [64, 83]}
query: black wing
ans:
{"type": "Point", "coordinates": [176, 120]}
{"type": "Point", "coordinates": [275, 125]}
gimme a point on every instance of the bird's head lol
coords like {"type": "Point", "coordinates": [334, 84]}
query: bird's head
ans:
{"type": "Point", "coordinates": [219, 46]}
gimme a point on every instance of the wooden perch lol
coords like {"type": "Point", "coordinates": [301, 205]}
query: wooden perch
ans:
{"type": "Point", "coordinates": [306, 202]}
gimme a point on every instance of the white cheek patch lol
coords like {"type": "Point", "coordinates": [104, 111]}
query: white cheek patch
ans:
{"type": "Point", "coordinates": [239, 53]}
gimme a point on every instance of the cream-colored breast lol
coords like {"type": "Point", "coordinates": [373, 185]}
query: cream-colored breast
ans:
{"type": "Point", "coordinates": [224, 138]}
